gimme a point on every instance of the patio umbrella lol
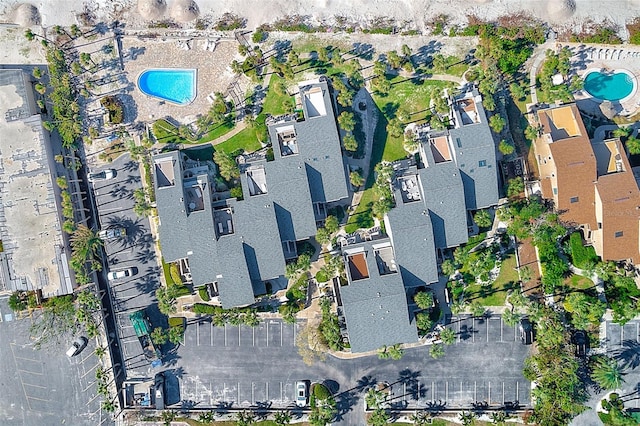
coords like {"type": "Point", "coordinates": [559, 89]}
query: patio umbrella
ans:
{"type": "Point", "coordinates": [152, 9]}
{"type": "Point", "coordinates": [26, 15]}
{"type": "Point", "coordinates": [607, 109]}
{"type": "Point", "coordinates": [184, 10]}
{"type": "Point", "coordinates": [560, 10]}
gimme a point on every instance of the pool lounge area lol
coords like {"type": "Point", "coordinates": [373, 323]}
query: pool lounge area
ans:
{"type": "Point", "coordinates": [172, 85]}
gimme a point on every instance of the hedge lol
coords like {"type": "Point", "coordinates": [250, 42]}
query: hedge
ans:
{"type": "Point", "coordinates": [204, 294]}
{"type": "Point", "coordinates": [320, 391]}
{"type": "Point", "coordinates": [176, 321]}
{"type": "Point", "coordinates": [582, 255]}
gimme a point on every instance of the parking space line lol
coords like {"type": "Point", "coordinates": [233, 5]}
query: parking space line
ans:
{"type": "Point", "coordinates": [446, 390]}
{"type": "Point", "coordinates": [489, 392]}
{"type": "Point", "coordinates": [35, 386]}
{"type": "Point", "coordinates": [253, 400]}
{"type": "Point", "coordinates": [267, 328]}
{"type": "Point", "coordinates": [238, 389]}
{"type": "Point", "coordinates": [488, 322]}
{"type": "Point", "coordinates": [225, 334]}
{"type": "Point", "coordinates": [475, 389]}
{"type": "Point", "coordinates": [197, 334]}
{"type": "Point", "coordinates": [501, 329]}
{"type": "Point", "coordinates": [253, 331]}
{"type": "Point", "coordinates": [37, 399]}
{"type": "Point", "coordinates": [433, 390]}
{"type": "Point", "coordinates": [517, 391]}
{"type": "Point", "coordinates": [26, 359]}
{"type": "Point", "coordinates": [30, 372]}
{"type": "Point", "coordinates": [473, 335]}
{"type": "Point", "coordinates": [224, 391]}
{"type": "Point", "coordinates": [211, 330]}
{"type": "Point", "coordinates": [239, 327]}
{"type": "Point", "coordinates": [458, 330]}
{"type": "Point", "coordinates": [502, 392]}
{"type": "Point", "coordinates": [281, 333]}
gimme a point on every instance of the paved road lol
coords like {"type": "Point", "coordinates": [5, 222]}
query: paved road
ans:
{"type": "Point", "coordinates": [247, 366]}
{"type": "Point", "coordinates": [44, 387]}
{"type": "Point", "coordinates": [114, 201]}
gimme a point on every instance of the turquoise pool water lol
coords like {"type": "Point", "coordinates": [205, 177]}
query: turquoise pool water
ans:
{"type": "Point", "coordinates": [173, 85]}
{"type": "Point", "coordinates": [608, 87]}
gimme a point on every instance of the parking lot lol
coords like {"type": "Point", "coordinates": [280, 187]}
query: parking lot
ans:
{"type": "Point", "coordinates": [114, 201]}
{"type": "Point", "coordinates": [45, 386]}
{"type": "Point", "coordinates": [623, 343]}
{"type": "Point", "coordinates": [246, 367]}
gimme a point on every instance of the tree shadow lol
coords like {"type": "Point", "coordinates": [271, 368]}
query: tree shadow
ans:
{"type": "Point", "coordinates": [466, 332]}
{"type": "Point", "coordinates": [281, 48]}
{"type": "Point", "coordinates": [363, 50]}
{"type": "Point", "coordinates": [345, 403]}
{"type": "Point", "coordinates": [365, 382]}
{"type": "Point", "coordinates": [390, 108]}
{"type": "Point", "coordinates": [130, 166]}
{"type": "Point", "coordinates": [424, 54]}
{"type": "Point", "coordinates": [629, 354]}
{"type": "Point", "coordinates": [145, 256]}
{"type": "Point", "coordinates": [148, 282]}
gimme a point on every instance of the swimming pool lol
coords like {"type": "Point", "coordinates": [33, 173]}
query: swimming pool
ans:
{"type": "Point", "coordinates": [174, 85]}
{"type": "Point", "coordinates": [609, 86]}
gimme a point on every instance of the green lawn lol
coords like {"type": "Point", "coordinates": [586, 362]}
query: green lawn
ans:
{"type": "Point", "coordinates": [273, 102]}
{"type": "Point", "coordinates": [578, 282]}
{"type": "Point", "coordinates": [413, 95]}
{"type": "Point", "coordinates": [166, 132]}
{"type": "Point", "coordinates": [167, 274]}
{"type": "Point", "coordinates": [495, 294]}
{"type": "Point", "coordinates": [361, 218]}
{"type": "Point", "coordinates": [219, 130]}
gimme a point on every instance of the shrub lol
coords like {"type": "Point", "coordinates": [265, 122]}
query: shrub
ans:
{"type": "Point", "coordinates": [320, 391]}
{"type": "Point", "coordinates": [634, 31]}
{"type": "Point", "coordinates": [115, 109]}
{"type": "Point", "coordinates": [322, 277]}
{"type": "Point", "coordinates": [582, 256]}
{"type": "Point", "coordinates": [175, 273]}
{"type": "Point", "coordinates": [204, 294]}
{"type": "Point", "coordinates": [176, 321]}
{"type": "Point", "coordinates": [203, 308]}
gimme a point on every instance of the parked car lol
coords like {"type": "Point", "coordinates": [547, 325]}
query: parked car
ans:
{"type": "Point", "coordinates": [580, 339]}
{"type": "Point", "coordinates": [102, 175]}
{"type": "Point", "coordinates": [112, 234]}
{"type": "Point", "coordinates": [118, 275]}
{"type": "Point", "coordinates": [77, 346]}
{"type": "Point", "coordinates": [526, 331]}
{"type": "Point", "coordinates": [301, 394]}
{"type": "Point", "coordinates": [158, 390]}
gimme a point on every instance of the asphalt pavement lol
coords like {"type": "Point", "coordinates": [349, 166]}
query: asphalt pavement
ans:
{"type": "Point", "coordinates": [45, 387]}
{"type": "Point", "coordinates": [243, 366]}
{"type": "Point", "coordinates": [114, 201]}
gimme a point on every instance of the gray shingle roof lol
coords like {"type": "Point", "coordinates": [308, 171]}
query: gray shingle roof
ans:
{"type": "Point", "coordinates": [376, 309]}
{"type": "Point", "coordinates": [410, 229]}
{"type": "Point", "coordinates": [475, 153]}
{"type": "Point", "coordinates": [289, 190]}
{"type": "Point", "coordinates": [319, 147]}
{"type": "Point", "coordinates": [234, 282]}
{"type": "Point", "coordinates": [444, 197]}
{"type": "Point", "coordinates": [257, 228]}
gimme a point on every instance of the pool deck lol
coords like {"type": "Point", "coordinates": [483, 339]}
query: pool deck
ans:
{"type": "Point", "coordinates": [213, 73]}
{"type": "Point", "coordinates": [608, 57]}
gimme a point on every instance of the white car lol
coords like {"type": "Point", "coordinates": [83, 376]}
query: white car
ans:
{"type": "Point", "coordinates": [112, 234]}
{"type": "Point", "coordinates": [118, 275]}
{"type": "Point", "coordinates": [301, 394]}
{"type": "Point", "coordinates": [78, 345]}
{"type": "Point", "coordinates": [102, 175]}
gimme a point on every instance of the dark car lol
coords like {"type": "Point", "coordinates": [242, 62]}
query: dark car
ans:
{"type": "Point", "coordinates": [580, 339]}
{"type": "Point", "coordinates": [158, 390]}
{"type": "Point", "coordinates": [526, 331]}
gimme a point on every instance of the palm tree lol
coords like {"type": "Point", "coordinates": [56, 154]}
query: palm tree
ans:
{"type": "Point", "coordinates": [499, 418]}
{"type": "Point", "coordinates": [282, 418]}
{"type": "Point", "coordinates": [467, 418]}
{"type": "Point", "coordinates": [245, 418]}
{"type": "Point", "coordinates": [436, 351]}
{"type": "Point", "coordinates": [420, 418]}
{"type": "Point", "coordinates": [383, 353]}
{"type": "Point", "coordinates": [606, 372]}
{"type": "Point", "coordinates": [100, 351]}
{"type": "Point", "coordinates": [448, 336]}
{"type": "Point", "coordinates": [85, 243]}
{"type": "Point", "coordinates": [374, 398]}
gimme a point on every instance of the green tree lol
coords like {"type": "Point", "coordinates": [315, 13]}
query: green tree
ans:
{"type": "Point", "coordinates": [374, 398]}
{"type": "Point", "coordinates": [332, 224]}
{"type": "Point", "coordinates": [395, 352]}
{"type": "Point", "coordinates": [395, 128]}
{"type": "Point", "coordinates": [510, 317]}
{"type": "Point", "coordinates": [517, 91]}
{"type": "Point", "coordinates": [439, 63]}
{"type": "Point", "coordinates": [499, 418]}
{"type": "Point", "coordinates": [379, 417]}
{"type": "Point", "coordinates": [448, 268]}
{"type": "Point", "coordinates": [482, 218]}
{"type": "Point", "coordinates": [347, 122]}
{"type": "Point", "coordinates": [282, 418]}
{"type": "Point", "coordinates": [158, 336]}
{"type": "Point", "coordinates": [176, 334]}
{"type": "Point", "coordinates": [323, 236]}
{"type": "Point", "coordinates": [423, 322]}
{"type": "Point", "coordinates": [356, 178]}
{"type": "Point", "coordinates": [436, 351]}
{"type": "Point", "coordinates": [227, 165]}
{"type": "Point", "coordinates": [477, 310]}
{"type": "Point", "coordinates": [585, 309]}
{"type": "Point", "coordinates": [350, 143]}
{"type": "Point", "coordinates": [622, 132]}
{"type": "Point", "coordinates": [383, 353]}
{"type": "Point", "coordinates": [423, 299]}
{"type": "Point", "coordinates": [506, 148]}
{"type": "Point", "coordinates": [633, 145]}
{"type": "Point", "coordinates": [411, 142]}
{"type": "Point", "coordinates": [607, 372]}
{"type": "Point", "coordinates": [531, 133]}
{"type": "Point", "coordinates": [497, 123]}
{"type": "Point", "coordinates": [467, 418]}
{"type": "Point", "coordinates": [245, 418]}
{"type": "Point", "coordinates": [17, 301]}
{"type": "Point", "coordinates": [40, 88]}
{"type": "Point", "coordinates": [515, 187]}
{"type": "Point", "coordinates": [448, 336]}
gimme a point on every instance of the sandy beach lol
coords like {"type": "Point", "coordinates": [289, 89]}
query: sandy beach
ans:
{"type": "Point", "coordinates": [414, 14]}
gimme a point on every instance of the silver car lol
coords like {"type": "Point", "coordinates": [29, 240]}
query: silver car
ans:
{"type": "Point", "coordinates": [121, 274]}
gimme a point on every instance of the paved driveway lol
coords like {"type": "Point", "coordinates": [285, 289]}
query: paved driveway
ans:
{"type": "Point", "coordinates": [114, 201]}
{"type": "Point", "coordinates": [44, 387]}
{"type": "Point", "coordinates": [248, 366]}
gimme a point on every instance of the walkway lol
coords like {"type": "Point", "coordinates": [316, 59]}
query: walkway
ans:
{"type": "Point", "coordinates": [538, 56]}
{"type": "Point", "coordinates": [599, 133]}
